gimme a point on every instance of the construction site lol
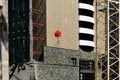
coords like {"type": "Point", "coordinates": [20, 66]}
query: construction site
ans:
{"type": "Point", "coordinates": [59, 39]}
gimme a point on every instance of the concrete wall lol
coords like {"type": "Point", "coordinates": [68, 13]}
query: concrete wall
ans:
{"type": "Point", "coordinates": [56, 72]}
{"type": "Point", "coordinates": [62, 15]}
{"type": "Point", "coordinates": [61, 56]}
{"type": "Point", "coordinates": [58, 65]}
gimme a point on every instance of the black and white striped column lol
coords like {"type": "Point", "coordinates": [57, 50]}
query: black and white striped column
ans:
{"type": "Point", "coordinates": [86, 23]}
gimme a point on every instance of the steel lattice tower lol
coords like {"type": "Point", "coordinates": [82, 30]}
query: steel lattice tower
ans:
{"type": "Point", "coordinates": [108, 62]}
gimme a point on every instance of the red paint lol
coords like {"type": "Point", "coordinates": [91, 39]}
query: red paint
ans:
{"type": "Point", "coordinates": [57, 33]}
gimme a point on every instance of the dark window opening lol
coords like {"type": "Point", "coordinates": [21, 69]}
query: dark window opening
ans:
{"type": "Point", "coordinates": [19, 38]}
{"type": "Point", "coordinates": [86, 70]}
{"type": "Point", "coordinates": [74, 61]}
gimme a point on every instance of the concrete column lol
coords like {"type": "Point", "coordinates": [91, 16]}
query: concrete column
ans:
{"type": "Point", "coordinates": [3, 41]}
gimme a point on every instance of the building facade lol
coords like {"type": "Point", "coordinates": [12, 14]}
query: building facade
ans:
{"type": "Point", "coordinates": [44, 39]}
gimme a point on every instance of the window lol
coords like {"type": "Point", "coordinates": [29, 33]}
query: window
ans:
{"type": "Point", "coordinates": [86, 70]}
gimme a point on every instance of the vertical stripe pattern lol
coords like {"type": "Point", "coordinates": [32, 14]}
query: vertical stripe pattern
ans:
{"type": "Point", "coordinates": [86, 23]}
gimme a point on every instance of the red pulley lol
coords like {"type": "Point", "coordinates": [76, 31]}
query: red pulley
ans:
{"type": "Point", "coordinates": [57, 33]}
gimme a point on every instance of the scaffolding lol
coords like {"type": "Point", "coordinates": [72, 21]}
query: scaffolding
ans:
{"type": "Point", "coordinates": [108, 62]}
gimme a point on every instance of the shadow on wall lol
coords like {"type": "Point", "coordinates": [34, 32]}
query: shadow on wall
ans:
{"type": "Point", "coordinates": [3, 32]}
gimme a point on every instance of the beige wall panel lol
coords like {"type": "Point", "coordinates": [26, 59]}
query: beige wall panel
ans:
{"type": "Point", "coordinates": [62, 15]}
{"type": "Point", "coordinates": [101, 33]}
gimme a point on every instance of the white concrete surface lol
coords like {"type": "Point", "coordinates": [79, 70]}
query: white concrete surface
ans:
{"type": "Point", "coordinates": [5, 68]}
